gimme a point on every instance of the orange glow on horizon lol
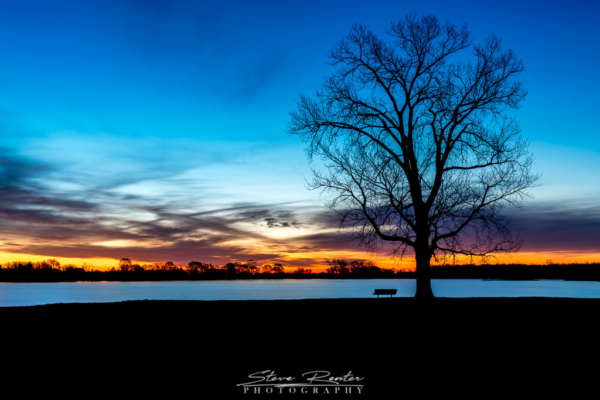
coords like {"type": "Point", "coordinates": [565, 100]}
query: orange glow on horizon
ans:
{"type": "Point", "coordinates": [101, 264]}
{"type": "Point", "coordinates": [316, 261]}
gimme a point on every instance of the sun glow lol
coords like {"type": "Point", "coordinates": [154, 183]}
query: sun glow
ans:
{"type": "Point", "coordinates": [98, 263]}
{"type": "Point", "coordinates": [314, 260]}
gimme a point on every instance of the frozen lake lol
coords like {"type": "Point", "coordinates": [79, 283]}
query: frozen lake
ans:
{"type": "Point", "coordinates": [27, 294]}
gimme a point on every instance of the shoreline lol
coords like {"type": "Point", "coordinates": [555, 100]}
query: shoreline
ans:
{"type": "Point", "coordinates": [316, 277]}
{"type": "Point", "coordinates": [28, 272]}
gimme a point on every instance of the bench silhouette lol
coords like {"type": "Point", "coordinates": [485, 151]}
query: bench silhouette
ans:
{"type": "Point", "coordinates": [391, 292]}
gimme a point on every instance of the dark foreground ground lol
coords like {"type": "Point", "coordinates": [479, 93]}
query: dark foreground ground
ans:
{"type": "Point", "coordinates": [517, 348]}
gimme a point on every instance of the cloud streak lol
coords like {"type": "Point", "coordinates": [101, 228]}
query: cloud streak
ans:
{"type": "Point", "coordinates": [40, 217]}
{"type": "Point", "coordinates": [556, 226]}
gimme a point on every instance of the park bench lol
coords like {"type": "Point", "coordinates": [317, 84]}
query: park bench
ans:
{"type": "Point", "coordinates": [391, 292]}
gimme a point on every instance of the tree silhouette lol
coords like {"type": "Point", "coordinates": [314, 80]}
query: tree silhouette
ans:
{"type": "Point", "coordinates": [337, 266]}
{"type": "Point", "coordinates": [232, 267]}
{"type": "Point", "coordinates": [420, 148]}
{"type": "Point", "coordinates": [169, 266]}
{"type": "Point", "coordinates": [278, 268]}
{"type": "Point", "coordinates": [266, 269]}
{"type": "Point", "coordinates": [125, 264]}
{"type": "Point", "coordinates": [251, 265]}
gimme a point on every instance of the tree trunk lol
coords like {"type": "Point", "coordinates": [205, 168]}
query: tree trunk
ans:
{"type": "Point", "coordinates": [424, 291]}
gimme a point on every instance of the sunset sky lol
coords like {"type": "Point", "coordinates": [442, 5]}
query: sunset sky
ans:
{"type": "Point", "coordinates": [156, 130]}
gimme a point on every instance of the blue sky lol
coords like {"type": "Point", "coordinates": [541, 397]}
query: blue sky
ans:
{"type": "Point", "coordinates": [155, 130]}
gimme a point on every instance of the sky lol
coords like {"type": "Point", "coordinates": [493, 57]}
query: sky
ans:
{"type": "Point", "coordinates": [156, 130]}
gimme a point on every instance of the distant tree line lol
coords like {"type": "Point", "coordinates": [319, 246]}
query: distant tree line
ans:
{"type": "Point", "coordinates": [126, 270]}
{"type": "Point", "coordinates": [52, 271]}
{"type": "Point", "coordinates": [524, 272]}
{"type": "Point", "coordinates": [341, 267]}
{"type": "Point", "coordinates": [197, 268]}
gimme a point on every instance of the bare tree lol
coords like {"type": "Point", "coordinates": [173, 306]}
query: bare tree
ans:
{"type": "Point", "coordinates": [338, 266]}
{"type": "Point", "coordinates": [125, 264]}
{"type": "Point", "coordinates": [278, 268]}
{"type": "Point", "coordinates": [420, 148]}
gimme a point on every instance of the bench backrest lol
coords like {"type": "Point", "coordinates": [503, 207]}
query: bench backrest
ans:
{"type": "Point", "coordinates": [385, 291]}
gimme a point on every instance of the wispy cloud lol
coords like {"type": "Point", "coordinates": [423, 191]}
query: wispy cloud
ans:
{"type": "Point", "coordinates": [47, 219]}
{"type": "Point", "coordinates": [48, 209]}
{"type": "Point", "coordinates": [560, 226]}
